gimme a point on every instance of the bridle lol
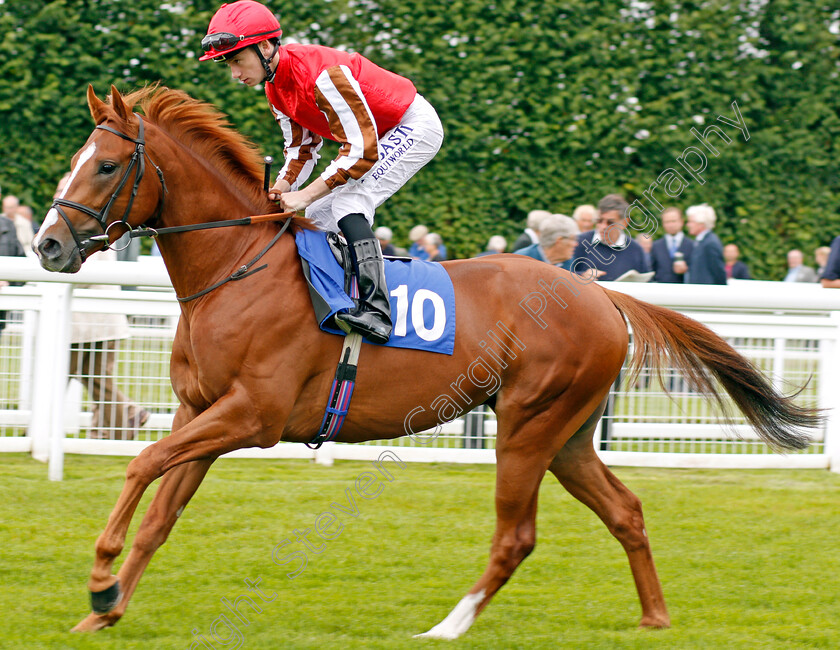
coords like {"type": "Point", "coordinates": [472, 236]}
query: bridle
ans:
{"type": "Point", "coordinates": [137, 163]}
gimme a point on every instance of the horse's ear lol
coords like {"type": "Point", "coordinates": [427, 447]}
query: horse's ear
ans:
{"type": "Point", "coordinates": [97, 107]}
{"type": "Point", "coordinates": [120, 107]}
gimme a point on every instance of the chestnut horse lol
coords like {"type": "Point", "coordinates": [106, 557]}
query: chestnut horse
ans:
{"type": "Point", "coordinates": [250, 367]}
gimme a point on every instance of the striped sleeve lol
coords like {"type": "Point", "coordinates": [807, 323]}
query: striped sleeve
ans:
{"type": "Point", "coordinates": [300, 151]}
{"type": "Point", "coordinates": [338, 95]}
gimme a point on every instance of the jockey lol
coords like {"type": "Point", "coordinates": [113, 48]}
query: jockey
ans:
{"type": "Point", "coordinates": [387, 132]}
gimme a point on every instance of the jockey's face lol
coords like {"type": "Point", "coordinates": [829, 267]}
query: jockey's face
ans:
{"type": "Point", "coordinates": [245, 66]}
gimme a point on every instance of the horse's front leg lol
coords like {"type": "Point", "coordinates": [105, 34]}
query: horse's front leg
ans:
{"type": "Point", "coordinates": [176, 488]}
{"type": "Point", "coordinates": [227, 425]}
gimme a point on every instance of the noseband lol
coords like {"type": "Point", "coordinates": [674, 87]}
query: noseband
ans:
{"type": "Point", "coordinates": [138, 165]}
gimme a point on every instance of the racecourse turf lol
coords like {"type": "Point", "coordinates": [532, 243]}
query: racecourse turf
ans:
{"type": "Point", "coordinates": [748, 559]}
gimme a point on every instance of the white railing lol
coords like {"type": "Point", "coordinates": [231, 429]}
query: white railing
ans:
{"type": "Point", "coordinates": [791, 331]}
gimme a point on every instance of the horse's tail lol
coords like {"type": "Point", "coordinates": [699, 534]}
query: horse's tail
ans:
{"type": "Point", "coordinates": [706, 359]}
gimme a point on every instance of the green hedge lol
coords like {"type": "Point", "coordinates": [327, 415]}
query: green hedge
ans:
{"type": "Point", "coordinates": [545, 104]}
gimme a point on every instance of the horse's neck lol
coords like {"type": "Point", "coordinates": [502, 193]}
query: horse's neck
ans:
{"type": "Point", "coordinates": [196, 260]}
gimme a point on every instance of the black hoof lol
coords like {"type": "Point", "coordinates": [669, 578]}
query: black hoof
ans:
{"type": "Point", "coordinates": [103, 602]}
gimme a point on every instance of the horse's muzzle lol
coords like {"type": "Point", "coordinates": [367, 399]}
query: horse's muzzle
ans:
{"type": "Point", "coordinates": [55, 256]}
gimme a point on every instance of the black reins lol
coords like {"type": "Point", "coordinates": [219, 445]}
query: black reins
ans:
{"type": "Point", "coordinates": [138, 164]}
{"type": "Point", "coordinates": [245, 270]}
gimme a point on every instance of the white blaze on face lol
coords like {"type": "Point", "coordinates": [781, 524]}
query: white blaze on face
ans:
{"type": "Point", "coordinates": [52, 216]}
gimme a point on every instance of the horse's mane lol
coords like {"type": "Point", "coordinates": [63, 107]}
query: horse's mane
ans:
{"type": "Point", "coordinates": [205, 131]}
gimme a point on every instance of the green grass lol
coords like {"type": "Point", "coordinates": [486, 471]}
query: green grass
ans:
{"type": "Point", "coordinates": [747, 560]}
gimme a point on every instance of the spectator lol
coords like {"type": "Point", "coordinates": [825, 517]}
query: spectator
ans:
{"type": "Point", "coordinates": [670, 251]}
{"type": "Point", "coordinates": [23, 226]}
{"type": "Point", "coordinates": [706, 265]}
{"type": "Point", "coordinates": [585, 216]}
{"type": "Point", "coordinates": [734, 268]}
{"type": "Point", "coordinates": [9, 247]}
{"type": "Point", "coordinates": [797, 271]}
{"type": "Point", "coordinates": [93, 354]}
{"type": "Point", "coordinates": [417, 251]}
{"type": "Point", "coordinates": [385, 235]}
{"type": "Point", "coordinates": [557, 243]}
{"type": "Point", "coordinates": [830, 277]}
{"type": "Point", "coordinates": [821, 258]}
{"type": "Point", "coordinates": [416, 235]}
{"type": "Point", "coordinates": [531, 233]}
{"type": "Point", "coordinates": [497, 244]}
{"type": "Point", "coordinates": [609, 248]}
{"type": "Point", "coordinates": [432, 244]}
{"type": "Point", "coordinates": [646, 243]}
{"type": "Point", "coordinates": [10, 206]}
{"type": "Point", "coordinates": [25, 229]}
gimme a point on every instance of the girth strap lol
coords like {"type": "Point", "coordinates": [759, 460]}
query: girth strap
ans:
{"type": "Point", "coordinates": [341, 391]}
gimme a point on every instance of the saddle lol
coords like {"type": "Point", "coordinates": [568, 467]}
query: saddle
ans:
{"type": "Point", "coordinates": [421, 293]}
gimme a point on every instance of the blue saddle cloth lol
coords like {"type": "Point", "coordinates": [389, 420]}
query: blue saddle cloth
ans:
{"type": "Point", "coordinates": [421, 295]}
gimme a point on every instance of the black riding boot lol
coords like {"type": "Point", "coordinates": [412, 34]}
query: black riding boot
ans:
{"type": "Point", "coordinates": [372, 317]}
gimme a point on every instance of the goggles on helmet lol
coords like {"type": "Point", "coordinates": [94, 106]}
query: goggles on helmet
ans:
{"type": "Point", "coordinates": [223, 41]}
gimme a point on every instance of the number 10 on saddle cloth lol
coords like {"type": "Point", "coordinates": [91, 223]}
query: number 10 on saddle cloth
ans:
{"type": "Point", "coordinates": [421, 295]}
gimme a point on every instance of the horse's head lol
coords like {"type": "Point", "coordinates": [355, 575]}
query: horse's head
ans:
{"type": "Point", "coordinates": [107, 191]}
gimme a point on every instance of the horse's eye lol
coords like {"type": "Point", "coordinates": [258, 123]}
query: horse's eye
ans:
{"type": "Point", "coordinates": [107, 168]}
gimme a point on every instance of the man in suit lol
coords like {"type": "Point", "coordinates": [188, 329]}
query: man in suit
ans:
{"type": "Point", "coordinates": [797, 271]}
{"type": "Point", "coordinates": [706, 265]}
{"type": "Point", "coordinates": [531, 233]}
{"type": "Point", "coordinates": [734, 268]}
{"type": "Point", "coordinates": [497, 244]}
{"type": "Point", "coordinates": [821, 258]}
{"type": "Point", "coordinates": [385, 235]}
{"type": "Point", "coordinates": [585, 216]}
{"type": "Point", "coordinates": [830, 277]}
{"type": "Point", "coordinates": [433, 245]}
{"type": "Point", "coordinates": [558, 240]}
{"type": "Point", "coordinates": [9, 247]}
{"type": "Point", "coordinates": [608, 249]}
{"type": "Point", "coordinates": [665, 248]}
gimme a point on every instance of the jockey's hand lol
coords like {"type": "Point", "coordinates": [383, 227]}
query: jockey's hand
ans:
{"type": "Point", "coordinates": [279, 188]}
{"type": "Point", "coordinates": [302, 199]}
{"type": "Point", "coordinates": [295, 201]}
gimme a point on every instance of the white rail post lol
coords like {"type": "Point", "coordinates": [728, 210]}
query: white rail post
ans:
{"type": "Point", "coordinates": [831, 392]}
{"type": "Point", "coordinates": [51, 368]}
{"type": "Point", "coordinates": [61, 372]}
{"type": "Point", "coordinates": [324, 454]}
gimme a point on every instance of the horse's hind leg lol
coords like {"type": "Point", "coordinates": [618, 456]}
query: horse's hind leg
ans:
{"type": "Point", "coordinates": [582, 473]}
{"type": "Point", "coordinates": [176, 488]}
{"type": "Point", "coordinates": [518, 477]}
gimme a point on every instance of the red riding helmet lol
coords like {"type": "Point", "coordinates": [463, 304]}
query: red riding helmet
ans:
{"type": "Point", "coordinates": [238, 25]}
